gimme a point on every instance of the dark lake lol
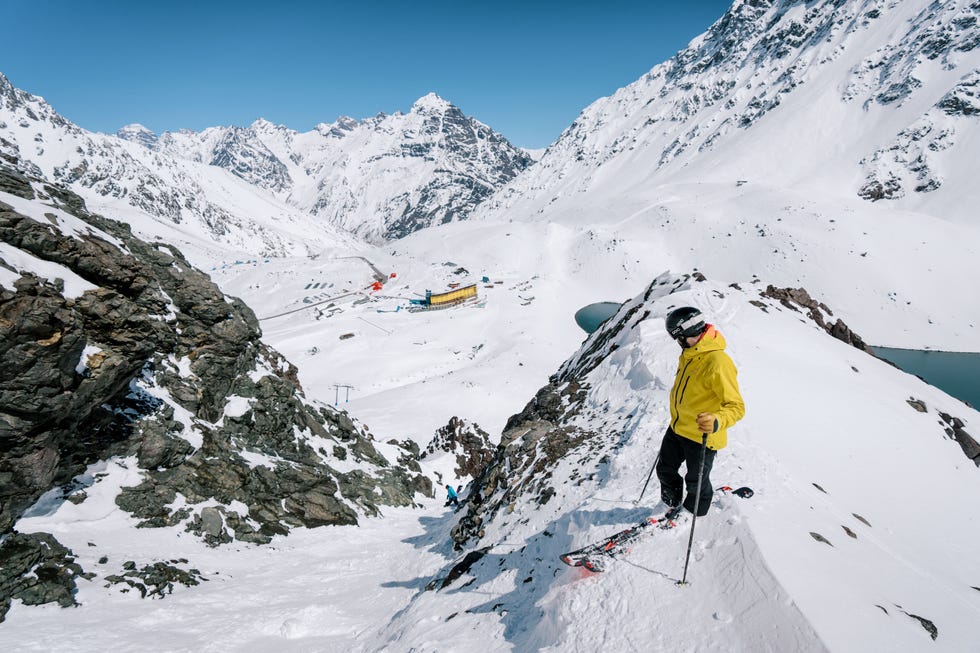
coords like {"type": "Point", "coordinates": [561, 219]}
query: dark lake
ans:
{"type": "Point", "coordinates": [955, 373]}
{"type": "Point", "coordinates": [590, 317]}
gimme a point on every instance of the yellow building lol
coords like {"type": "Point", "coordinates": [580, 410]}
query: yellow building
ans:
{"type": "Point", "coordinates": [453, 296]}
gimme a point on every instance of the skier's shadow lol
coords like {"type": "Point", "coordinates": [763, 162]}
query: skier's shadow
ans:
{"type": "Point", "coordinates": [534, 564]}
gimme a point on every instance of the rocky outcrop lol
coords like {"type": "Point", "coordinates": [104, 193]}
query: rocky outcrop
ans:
{"type": "Point", "coordinates": [798, 298]}
{"type": "Point", "coordinates": [152, 363]}
{"type": "Point", "coordinates": [467, 442]}
{"type": "Point", "coordinates": [36, 569]}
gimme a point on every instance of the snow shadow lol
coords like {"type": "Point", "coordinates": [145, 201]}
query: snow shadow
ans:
{"type": "Point", "coordinates": [435, 537]}
{"type": "Point", "coordinates": [532, 569]}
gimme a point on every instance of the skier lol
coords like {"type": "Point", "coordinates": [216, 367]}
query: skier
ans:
{"type": "Point", "coordinates": [704, 400]}
{"type": "Point", "coordinates": [452, 499]}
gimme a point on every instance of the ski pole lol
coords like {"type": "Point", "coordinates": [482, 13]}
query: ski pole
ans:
{"type": "Point", "coordinates": [644, 491]}
{"type": "Point", "coordinates": [697, 504]}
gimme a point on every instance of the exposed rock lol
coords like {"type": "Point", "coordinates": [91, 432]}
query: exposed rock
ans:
{"type": "Point", "coordinates": [820, 538]}
{"type": "Point", "coordinates": [925, 623]}
{"type": "Point", "coordinates": [468, 442]}
{"type": "Point", "coordinates": [796, 298]}
{"type": "Point", "coordinates": [458, 569]}
{"type": "Point", "coordinates": [155, 580]}
{"type": "Point", "coordinates": [861, 519]}
{"type": "Point", "coordinates": [15, 183]}
{"type": "Point", "coordinates": [971, 448]}
{"type": "Point", "coordinates": [36, 569]}
{"type": "Point", "coordinates": [917, 404]}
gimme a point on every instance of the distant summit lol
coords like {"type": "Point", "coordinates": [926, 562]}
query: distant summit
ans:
{"type": "Point", "coordinates": [137, 133]}
{"type": "Point", "coordinates": [430, 102]}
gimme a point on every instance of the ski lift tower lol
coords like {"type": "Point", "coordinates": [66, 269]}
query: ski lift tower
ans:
{"type": "Point", "coordinates": [337, 387]}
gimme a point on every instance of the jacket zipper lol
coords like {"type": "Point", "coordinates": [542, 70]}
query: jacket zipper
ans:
{"type": "Point", "coordinates": [678, 398]}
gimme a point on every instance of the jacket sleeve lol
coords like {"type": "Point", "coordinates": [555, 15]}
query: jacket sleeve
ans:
{"type": "Point", "coordinates": [725, 383]}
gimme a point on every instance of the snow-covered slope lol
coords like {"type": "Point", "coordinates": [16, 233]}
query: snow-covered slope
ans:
{"type": "Point", "coordinates": [825, 144]}
{"type": "Point", "coordinates": [827, 555]}
{"type": "Point", "coordinates": [819, 413]}
{"type": "Point", "coordinates": [780, 198]}
{"type": "Point", "coordinates": [382, 177]}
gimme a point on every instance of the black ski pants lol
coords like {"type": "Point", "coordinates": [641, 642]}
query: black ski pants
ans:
{"type": "Point", "coordinates": [675, 450]}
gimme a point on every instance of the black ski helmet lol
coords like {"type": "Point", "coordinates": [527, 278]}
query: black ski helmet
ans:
{"type": "Point", "coordinates": [685, 322]}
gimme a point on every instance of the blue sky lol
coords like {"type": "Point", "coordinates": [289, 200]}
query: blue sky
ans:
{"type": "Point", "coordinates": [524, 68]}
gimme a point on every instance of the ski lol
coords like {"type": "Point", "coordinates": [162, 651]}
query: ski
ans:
{"type": "Point", "coordinates": [594, 556]}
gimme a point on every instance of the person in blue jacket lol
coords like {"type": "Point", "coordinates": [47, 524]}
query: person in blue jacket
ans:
{"type": "Point", "coordinates": [452, 499]}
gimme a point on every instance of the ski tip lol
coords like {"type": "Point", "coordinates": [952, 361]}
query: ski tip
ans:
{"type": "Point", "coordinates": [743, 492]}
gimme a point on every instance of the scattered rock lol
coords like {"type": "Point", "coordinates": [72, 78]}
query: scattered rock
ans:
{"type": "Point", "coordinates": [917, 404]}
{"type": "Point", "coordinates": [928, 625]}
{"type": "Point", "coordinates": [861, 519]}
{"type": "Point", "coordinates": [458, 569]}
{"type": "Point", "coordinates": [820, 538]}
{"type": "Point", "coordinates": [155, 580]}
{"type": "Point", "coordinates": [971, 448]}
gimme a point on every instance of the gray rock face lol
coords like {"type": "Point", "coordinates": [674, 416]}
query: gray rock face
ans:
{"type": "Point", "coordinates": [248, 158]}
{"type": "Point", "coordinates": [36, 569]}
{"type": "Point", "coordinates": [468, 442]}
{"type": "Point", "coordinates": [102, 374]}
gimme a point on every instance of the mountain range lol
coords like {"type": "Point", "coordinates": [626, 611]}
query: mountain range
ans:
{"type": "Point", "coordinates": [800, 172]}
{"type": "Point", "coordinates": [265, 189]}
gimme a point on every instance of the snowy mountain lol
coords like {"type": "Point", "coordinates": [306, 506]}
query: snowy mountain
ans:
{"type": "Point", "coordinates": [809, 143]}
{"type": "Point", "coordinates": [266, 190]}
{"type": "Point", "coordinates": [877, 96]}
{"type": "Point", "coordinates": [379, 178]}
{"type": "Point", "coordinates": [748, 160]}
{"type": "Point", "coordinates": [197, 207]}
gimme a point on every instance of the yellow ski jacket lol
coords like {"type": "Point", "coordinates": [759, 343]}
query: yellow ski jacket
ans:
{"type": "Point", "coordinates": [706, 383]}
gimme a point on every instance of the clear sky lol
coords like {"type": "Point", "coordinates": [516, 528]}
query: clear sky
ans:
{"type": "Point", "coordinates": [526, 69]}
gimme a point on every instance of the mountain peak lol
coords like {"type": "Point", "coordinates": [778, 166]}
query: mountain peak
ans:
{"type": "Point", "coordinates": [430, 103]}
{"type": "Point", "coordinates": [134, 128]}
{"type": "Point", "coordinates": [137, 133]}
{"type": "Point", "coordinates": [262, 124]}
